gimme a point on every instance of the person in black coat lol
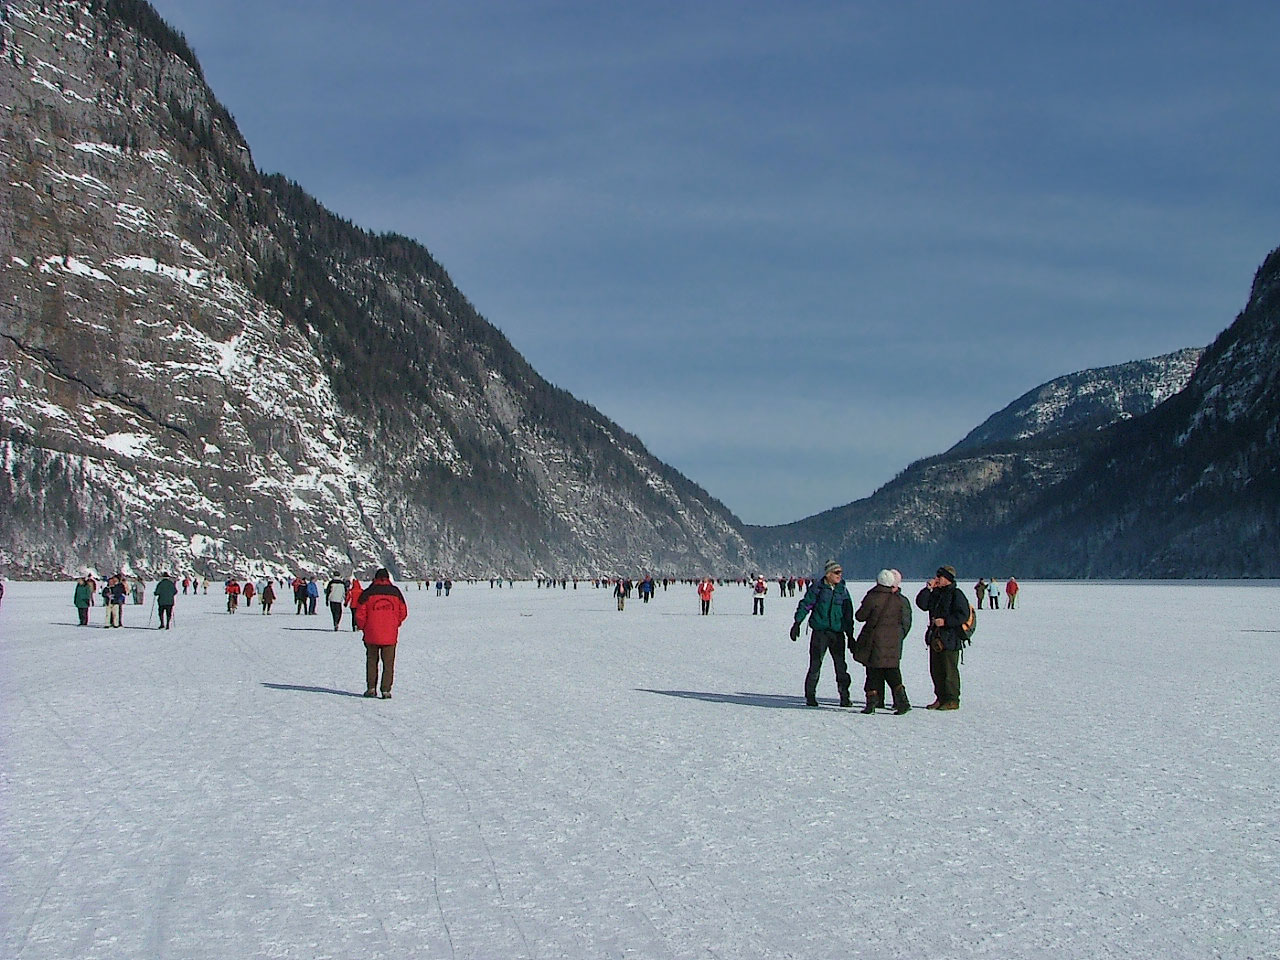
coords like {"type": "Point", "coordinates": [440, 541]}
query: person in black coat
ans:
{"type": "Point", "coordinates": [948, 610]}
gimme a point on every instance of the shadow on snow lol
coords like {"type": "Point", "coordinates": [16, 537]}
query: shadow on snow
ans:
{"type": "Point", "coordinates": [772, 700]}
{"type": "Point", "coordinates": [301, 689]}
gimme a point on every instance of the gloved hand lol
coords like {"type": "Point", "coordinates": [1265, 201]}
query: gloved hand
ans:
{"type": "Point", "coordinates": [795, 632]}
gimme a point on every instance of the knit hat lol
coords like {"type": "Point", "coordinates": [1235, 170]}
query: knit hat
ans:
{"type": "Point", "coordinates": [885, 578]}
{"type": "Point", "coordinates": [831, 565]}
{"type": "Point", "coordinates": [897, 577]}
{"type": "Point", "coordinates": [948, 572]}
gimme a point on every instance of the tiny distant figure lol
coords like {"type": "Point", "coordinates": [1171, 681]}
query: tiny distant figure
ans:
{"type": "Point", "coordinates": [248, 592]}
{"type": "Point", "coordinates": [186, 582]}
{"type": "Point", "coordinates": [379, 613]}
{"type": "Point", "coordinates": [267, 597]}
{"type": "Point", "coordinates": [233, 595]}
{"type": "Point", "coordinates": [757, 596]}
{"type": "Point", "coordinates": [620, 592]}
{"type": "Point", "coordinates": [948, 610]}
{"type": "Point", "coordinates": [335, 594]}
{"type": "Point", "coordinates": [83, 598]}
{"type": "Point", "coordinates": [138, 592]}
{"type": "Point", "coordinates": [705, 589]}
{"type": "Point", "coordinates": [166, 591]}
{"type": "Point", "coordinates": [1011, 591]}
{"type": "Point", "coordinates": [353, 597]}
{"type": "Point", "coordinates": [993, 594]}
{"type": "Point", "coordinates": [830, 611]}
{"type": "Point", "coordinates": [448, 585]}
{"type": "Point", "coordinates": [980, 591]}
{"type": "Point", "coordinates": [313, 596]}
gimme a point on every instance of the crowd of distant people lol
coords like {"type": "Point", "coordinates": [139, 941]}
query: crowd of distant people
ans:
{"type": "Point", "coordinates": [825, 604]}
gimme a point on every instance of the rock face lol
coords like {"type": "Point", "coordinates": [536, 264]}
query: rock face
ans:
{"type": "Point", "coordinates": [203, 368]}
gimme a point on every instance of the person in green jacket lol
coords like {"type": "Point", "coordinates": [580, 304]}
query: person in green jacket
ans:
{"type": "Point", "coordinates": [82, 598]}
{"type": "Point", "coordinates": [166, 590]}
{"type": "Point", "coordinates": [829, 608]}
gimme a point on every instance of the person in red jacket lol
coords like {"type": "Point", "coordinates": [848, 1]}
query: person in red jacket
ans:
{"type": "Point", "coordinates": [353, 598]}
{"type": "Point", "coordinates": [379, 612]}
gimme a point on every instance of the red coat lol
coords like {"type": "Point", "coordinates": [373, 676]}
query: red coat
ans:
{"type": "Point", "coordinates": [353, 592]}
{"type": "Point", "coordinates": [380, 611]}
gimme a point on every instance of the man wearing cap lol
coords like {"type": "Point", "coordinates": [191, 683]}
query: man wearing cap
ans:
{"type": "Point", "coordinates": [948, 610]}
{"type": "Point", "coordinates": [830, 611]}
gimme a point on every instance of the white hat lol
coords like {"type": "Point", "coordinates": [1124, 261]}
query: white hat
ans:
{"type": "Point", "coordinates": [885, 578]}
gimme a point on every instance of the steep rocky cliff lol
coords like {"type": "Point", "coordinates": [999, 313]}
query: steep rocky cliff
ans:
{"type": "Point", "coordinates": [201, 367]}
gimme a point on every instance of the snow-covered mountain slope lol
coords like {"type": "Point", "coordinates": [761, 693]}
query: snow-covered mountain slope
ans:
{"type": "Point", "coordinates": [201, 367]}
{"type": "Point", "coordinates": [951, 503]}
{"type": "Point", "coordinates": [1191, 489]}
{"type": "Point", "coordinates": [1091, 399]}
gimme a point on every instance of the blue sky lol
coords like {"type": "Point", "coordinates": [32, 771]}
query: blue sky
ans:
{"type": "Point", "coordinates": [793, 246]}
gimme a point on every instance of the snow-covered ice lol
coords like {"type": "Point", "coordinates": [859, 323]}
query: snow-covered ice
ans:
{"type": "Point", "coordinates": [557, 779]}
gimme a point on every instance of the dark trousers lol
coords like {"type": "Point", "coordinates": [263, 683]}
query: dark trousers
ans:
{"type": "Point", "coordinates": [166, 614]}
{"type": "Point", "coordinates": [301, 603]}
{"type": "Point", "coordinates": [373, 654]}
{"type": "Point", "coordinates": [336, 610]}
{"type": "Point", "coordinates": [877, 677]}
{"type": "Point", "coordinates": [311, 604]}
{"type": "Point", "coordinates": [84, 615]}
{"type": "Point", "coordinates": [820, 643]}
{"type": "Point", "coordinates": [706, 607]}
{"type": "Point", "coordinates": [757, 606]}
{"type": "Point", "coordinates": [944, 668]}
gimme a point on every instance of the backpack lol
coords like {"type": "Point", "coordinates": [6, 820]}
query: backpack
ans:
{"type": "Point", "coordinates": [970, 626]}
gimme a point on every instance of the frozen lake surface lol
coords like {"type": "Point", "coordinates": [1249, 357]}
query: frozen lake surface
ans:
{"type": "Point", "coordinates": [557, 779]}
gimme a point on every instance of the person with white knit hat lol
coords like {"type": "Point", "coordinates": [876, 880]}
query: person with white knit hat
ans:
{"type": "Point", "coordinates": [879, 645]}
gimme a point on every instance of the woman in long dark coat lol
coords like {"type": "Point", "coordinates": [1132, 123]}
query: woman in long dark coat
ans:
{"type": "Point", "coordinates": [888, 621]}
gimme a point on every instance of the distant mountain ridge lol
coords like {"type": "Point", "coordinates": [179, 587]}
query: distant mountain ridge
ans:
{"type": "Point", "coordinates": [1090, 399]}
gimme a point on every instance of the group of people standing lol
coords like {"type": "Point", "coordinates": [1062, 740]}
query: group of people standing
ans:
{"type": "Point", "coordinates": [886, 618]}
{"type": "Point", "coordinates": [987, 589]}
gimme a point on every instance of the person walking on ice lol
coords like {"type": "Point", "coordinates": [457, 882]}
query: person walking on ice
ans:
{"type": "Point", "coordinates": [705, 589]}
{"type": "Point", "coordinates": [379, 613]}
{"type": "Point", "coordinates": [166, 591]}
{"type": "Point", "coordinates": [335, 594]}
{"type": "Point", "coordinates": [830, 611]}
{"type": "Point", "coordinates": [758, 593]}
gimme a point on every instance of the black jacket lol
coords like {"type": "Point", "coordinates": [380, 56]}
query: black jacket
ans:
{"type": "Point", "coordinates": [949, 604]}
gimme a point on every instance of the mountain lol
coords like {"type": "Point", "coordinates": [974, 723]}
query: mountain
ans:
{"type": "Point", "coordinates": [1089, 400]}
{"type": "Point", "coordinates": [203, 368]}
{"type": "Point", "coordinates": [962, 504]}
{"type": "Point", "coordinates": [1192, 489]}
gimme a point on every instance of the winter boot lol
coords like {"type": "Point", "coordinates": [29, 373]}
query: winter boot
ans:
{"type": "Point", "coordinates": [900, 702]}
{"type": "Point", "coordinates": [873, 699]}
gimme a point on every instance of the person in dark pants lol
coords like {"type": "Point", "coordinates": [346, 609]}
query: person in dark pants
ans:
{"type": "Point", "coordinates": [948, 610]}
{"type": "Point", "coordinates": [335, 594]}
{"type": "Point", "coordinates": [379, 612]}
{"type": "Point", "coordinates": [82, 597]}
{"type": "Point", "coordinates": [830, 611]}
{"type": "Point", "coordinates": [888, 621]}
{"type": "Point", "coordinates": [166, 590]}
